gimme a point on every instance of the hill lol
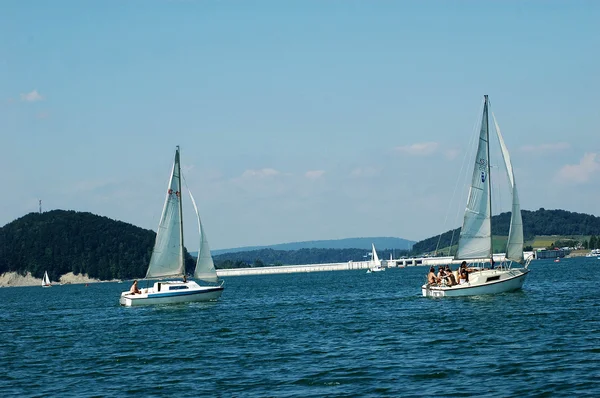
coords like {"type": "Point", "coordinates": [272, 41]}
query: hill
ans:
{"type": "Point", "coordinates": [348, 243]}
{"type": "Point", "coordinates": [62, 241]}
{"type": "Point", "coordinates": [541, 222]}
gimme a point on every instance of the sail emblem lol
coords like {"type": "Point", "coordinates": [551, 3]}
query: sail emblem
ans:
{"type": "Point", "coordinates": [482, 164]}
{"type": "Point", "coordinates": [176, 193]}
{"type": "Point", "coordinates": [482, 176]}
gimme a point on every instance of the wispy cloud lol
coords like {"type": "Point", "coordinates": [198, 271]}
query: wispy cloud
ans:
{"type": "Point", "coordinates": [546, 147]}
{"type": "Point", "coordinates": [32, 96]}
{"type": "Point", "coordinates": [451, 154]}
{"type": "Point", "coordinates": [261, 173]}
{"type": "Point", "coordinates": [314, 174]}
{"type": "Point", "coordinates": [42, 115]}
{"type": "Point", "coordinates": [365, 172]}
{"type": "Point", "coordinates": [418, 149]}
{"type": "Point", "coordinates": [579, 173]}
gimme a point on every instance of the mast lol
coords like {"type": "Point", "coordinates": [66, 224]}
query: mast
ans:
{"type": "Point", "coordinates": [177, 158]}
{"type": "Point", "coordinates": [489, 183]}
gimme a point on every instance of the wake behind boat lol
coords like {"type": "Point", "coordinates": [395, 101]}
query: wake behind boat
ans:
{"type": "Point", "coordinates": [168, 259]}
{"type": "Point", "coordinates": [475, 241]}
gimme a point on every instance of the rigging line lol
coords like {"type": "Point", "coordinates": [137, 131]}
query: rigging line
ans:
{"type": "Point", "coordinates": [462, 166]}
{"type": "Point", "coordinates": [473, 139]}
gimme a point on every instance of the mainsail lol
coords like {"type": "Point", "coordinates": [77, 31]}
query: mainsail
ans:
{"type": "Point", "coordinates": [167, 256]}
{"type": "Point", "coordinates": [376, 261]}
{"type": "Point", "coordinates": [514, 245]}
{"type": "Point", "coordinates": [205, 268]}
{"type": "Point", "coordinates": [476, 234]}
{"type": "Point", "coordinates": [46, 279]}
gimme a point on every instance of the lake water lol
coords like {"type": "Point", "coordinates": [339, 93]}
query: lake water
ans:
{"type": "Point", "coordinates": [344, 334]}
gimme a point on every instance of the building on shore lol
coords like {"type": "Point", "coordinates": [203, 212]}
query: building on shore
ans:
{"type": "Point", "coordinates": [556, 253]}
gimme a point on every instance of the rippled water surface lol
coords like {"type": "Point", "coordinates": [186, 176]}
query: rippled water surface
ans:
{"type": "Point", "coordinates": [316, 334]}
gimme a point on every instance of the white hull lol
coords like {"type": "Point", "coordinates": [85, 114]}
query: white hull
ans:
{"type": "Point", "coordinates": [172, 292]}
{"type": "Point", "coordinates": [491, 281]}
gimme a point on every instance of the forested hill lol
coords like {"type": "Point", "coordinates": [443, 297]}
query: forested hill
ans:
{"type": "Point", "coordinates": [535, 223]}
{"type": "Point", "coordinates": [347, 243]}
{"type": "Point", "coordinates": [62, 241]}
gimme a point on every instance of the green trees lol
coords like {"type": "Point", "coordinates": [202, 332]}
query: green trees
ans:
{"type": "Point", "coordinates": [535, 223]}
{"type": "Point", "coordinates": [593, 243]}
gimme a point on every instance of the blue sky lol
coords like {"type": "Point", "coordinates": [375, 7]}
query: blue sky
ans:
{"type": "Point", "coordinates": [298, 120]}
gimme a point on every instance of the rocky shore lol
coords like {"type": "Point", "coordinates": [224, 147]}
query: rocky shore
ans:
{"type": "Point", "coordinates": [15, 279]}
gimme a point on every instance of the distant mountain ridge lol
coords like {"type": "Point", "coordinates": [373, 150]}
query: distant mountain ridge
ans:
{"type": "Point", "coordinates": [347, 243]}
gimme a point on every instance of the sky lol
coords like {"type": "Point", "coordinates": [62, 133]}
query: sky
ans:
{"type": "Point", "coordinates": [297, 120]}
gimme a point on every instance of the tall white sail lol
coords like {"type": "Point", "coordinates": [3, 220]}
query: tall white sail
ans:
{"type": "Point", "coordinates": [476, 234]}
{"type": "Point", "coordinates": [514, 245]}
{"type": "Point", "coordinates": [205, 267]}
{"type": "Point", "coordinates": [167, 256]}
{"type": "Point", "coordinates": [46, 279]}
{"type": "Point", "coordinates": [376, 261]}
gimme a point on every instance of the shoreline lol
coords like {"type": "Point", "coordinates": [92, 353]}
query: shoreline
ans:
{"type": "Point", "coordinates": [14, 279]}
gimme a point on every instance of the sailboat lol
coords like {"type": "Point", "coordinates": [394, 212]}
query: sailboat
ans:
{"type": "Point", "coordinates": [375, 265]}
{"type": "Point", "coordinates": [475, 241]}
{"type": "Point", "coordinates": [167, 260]}
{"type": "Point", "coordinates": [46, 280]}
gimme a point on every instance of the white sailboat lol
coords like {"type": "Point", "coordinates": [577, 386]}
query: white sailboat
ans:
{"type": "Point", "coordinates": [375, 265]}
{"type": "Point", "coordinates": [46, 280]}
{"type": "Point", "coordinates": [168, 260]}
{"type": "Point", "coordinates": [475, 241]}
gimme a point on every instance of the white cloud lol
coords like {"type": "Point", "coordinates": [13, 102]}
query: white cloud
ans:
{"type": "Point", "coordinates": [365, 172]}
{"type": "Point", "coordinates": [579, 173]}
{"type": "Point", "coordinates": [546, 147]}
{"type": "Point", "coordinates": [261, 173]}
{"type": "Point", "coordinates": [32, 96]}
{"type": "Point", "coordinates": [451, 154]}
{"type": "Point", "coordinates": [418, 149]}
{"type": "Point", "coordinates": [314, 174]}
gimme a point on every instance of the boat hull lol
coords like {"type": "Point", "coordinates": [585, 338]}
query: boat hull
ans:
{"type": "Point", "coordinates": [481, 283]}
{"type": "Point", "coordinates": [171, 293]}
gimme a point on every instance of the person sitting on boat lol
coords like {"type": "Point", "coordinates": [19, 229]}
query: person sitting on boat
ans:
{"type": "Point", "coordinates": [134, 288]}
{"type": "Point", "coordinates": [431, 278]}
{"type": "Point", "coordinates": [450, 280]}
{"type": "Point", "coordinates": [441, 274]}
{"type": "Point", "coordinates": [184, 278]}
{"type": "Point", "coordinates": [463, 273]}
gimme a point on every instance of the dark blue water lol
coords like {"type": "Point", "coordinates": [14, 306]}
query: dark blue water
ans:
{"type": "Point", "coordinates": [345, 334]}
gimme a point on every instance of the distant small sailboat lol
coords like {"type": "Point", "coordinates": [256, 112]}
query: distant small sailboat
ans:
{"type": "Point", "coordinates": [375, 265]}
{"type": "Point", "coordinates": [168, 260]}
{"type": "Point", "coordinates": [46, 280]}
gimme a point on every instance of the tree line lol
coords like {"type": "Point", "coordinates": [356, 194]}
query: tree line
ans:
{"type": "Point", "coordinates": [535, 223]}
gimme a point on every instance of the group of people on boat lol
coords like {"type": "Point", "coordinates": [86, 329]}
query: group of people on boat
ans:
{"type": "Point", "coordinates": [446, 277]}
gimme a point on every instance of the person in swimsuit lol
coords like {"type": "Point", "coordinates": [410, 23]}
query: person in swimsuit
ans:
{"type": "Point", "coordinates": [134, 288]}
{"type": "Point", "coordinates": [431, 278]}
